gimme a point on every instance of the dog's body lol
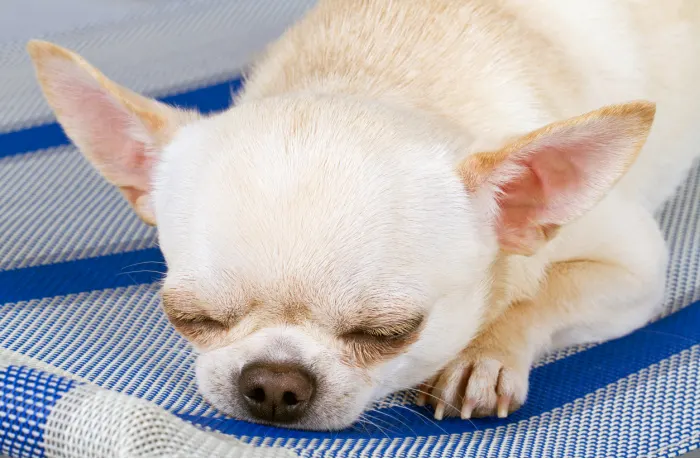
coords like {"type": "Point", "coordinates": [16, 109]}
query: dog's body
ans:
{"type": "Point", "coordinates": [498, 69]}
{"type": "Point", "coordinates": [328, 198]}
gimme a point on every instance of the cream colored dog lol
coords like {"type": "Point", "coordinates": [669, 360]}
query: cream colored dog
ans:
{"type": "Point", "coordinates": [408, 191]}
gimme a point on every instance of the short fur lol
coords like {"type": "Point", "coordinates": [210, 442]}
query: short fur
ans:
{"type": "Point", "coordinates": [413, 191]}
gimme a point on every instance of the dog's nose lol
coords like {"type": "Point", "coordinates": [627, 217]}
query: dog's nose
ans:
{"type": "Point", "coordinates": [276, 392]}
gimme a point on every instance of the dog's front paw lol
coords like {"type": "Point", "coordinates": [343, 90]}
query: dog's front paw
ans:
{"type": "Point", "coordinates": [478, 383]}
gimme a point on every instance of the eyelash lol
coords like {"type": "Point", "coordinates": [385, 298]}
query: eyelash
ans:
{"type": "Point", "coordinates": [383, 334]}
{"type": "Point", "coordinates": [188, 320]}
{"type": "Point", "coordinates": [368, 334]}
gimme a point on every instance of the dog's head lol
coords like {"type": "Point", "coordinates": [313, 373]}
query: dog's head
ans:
{"type": "Point", "coordinates": [324, 251]}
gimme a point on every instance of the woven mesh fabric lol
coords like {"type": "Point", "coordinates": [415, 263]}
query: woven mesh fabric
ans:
{"type": "Point", "coordinates": [89, 365]}
{"type": "Point", "coordinates": [48, 412]}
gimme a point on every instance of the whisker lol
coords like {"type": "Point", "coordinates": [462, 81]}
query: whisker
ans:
{"type": "Point", "coordinates": [422, 416]}
{"type": "Point", "coordinates": [144, 263]}
{"type": "Point", "coordinates": [356, 427]}
{"type": "Point", "coordinates": [398, 405]}
{"type": "Point", "coordinates": [426, 393]}
{"type": "Point", "coordinates": [395, 419]}
{"type": "Point", "coordinates": [359, 423]}
{"type": "Point", "coordinates": [672, 335]}
{"type": "Point", "coordinates": [365, 420]}
{"type": "Point", "coordinates": [446, 404]}
{"type": "Point", "coordinates": [429, 386]}
{"type": "Point", "coordinates": [391, 405]}
{"type": "Point", "coordinates": [141, 271]}
{"type": "Point", "coordinates": [436, 398]}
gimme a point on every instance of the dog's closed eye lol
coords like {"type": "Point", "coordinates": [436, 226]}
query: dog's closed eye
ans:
{"type": "Point", "coordinates": [191, 320]}
{"type": "Point", "coordinates": [374, 342]}
{"type": "Point", "coordinates": [195, 321]}
{"type": "Point", "coordinates": [388, 331]}
{"type": "Point", "coordinates": [199, 328]}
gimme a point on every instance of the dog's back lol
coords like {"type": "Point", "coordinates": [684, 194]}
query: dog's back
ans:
{"type": "Point", "coordinates": [498, 69]}
{"type": "Point", "coordinates": [634, 49]}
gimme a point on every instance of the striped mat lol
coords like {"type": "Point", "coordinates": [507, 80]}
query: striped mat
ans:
{"type": "Point", "coordinates": [89, 365]}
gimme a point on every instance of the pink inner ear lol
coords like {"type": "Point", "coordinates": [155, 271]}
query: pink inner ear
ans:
{"type": "Point", "coordinates": [106, 132]}
{"type": "Point", "coordinates": [562, 175]}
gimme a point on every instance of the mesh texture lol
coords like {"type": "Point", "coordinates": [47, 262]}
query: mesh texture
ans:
{"type": "Point", "coordinates": [90, 366]}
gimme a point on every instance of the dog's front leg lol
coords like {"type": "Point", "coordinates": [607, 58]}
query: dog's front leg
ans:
{"type": "Point", "coordinates": [580, 301]}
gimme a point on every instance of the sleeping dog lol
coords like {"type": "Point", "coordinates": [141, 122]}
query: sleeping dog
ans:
{"type": "Point", "coordinates": [427, 192]}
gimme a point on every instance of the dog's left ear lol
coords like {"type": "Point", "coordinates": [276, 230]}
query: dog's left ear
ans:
{"type": "Point", "coordinates": [555, 174]}
{"type": "Point", "coordinates": [119, 131]}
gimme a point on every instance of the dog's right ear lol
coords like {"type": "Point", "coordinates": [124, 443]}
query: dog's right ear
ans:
{"type": "Point", "coordinates": [554, 175]}
{"type": "Point", "coordinates": [119, 131]}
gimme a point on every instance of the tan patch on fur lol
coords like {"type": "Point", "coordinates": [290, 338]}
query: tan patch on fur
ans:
{"type": "Point", "coordinates": [562, 283]}
{"type": "Point", "coordinates": [639, 114]}
{"type": "Point", "coordinates": [140, 203]}
{"type": "Point", "coordinates": [476, 168]}
{"type": "Point", "coordinates": [549, 293]}
{"type": "Point", "coordinates": [511, 326]}
{"type": "Point", "coordinates": [499, 294]}
{"type": "Point", "coordinates": [295, 313]}
{"type": "Point", "coordinates": [515, 334]}
{"type": "Point", "coordinates": [321, 53]}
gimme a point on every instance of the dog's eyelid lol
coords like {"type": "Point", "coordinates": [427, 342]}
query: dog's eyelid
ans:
{"type": "Point", "coordinates": [194, 317]}
{"type": "Point", "coordinates": [394, 330]}
{"type": "Point", "coordinates": [200, 318]}
{"type": "Point", "coordinates": [184, 307]}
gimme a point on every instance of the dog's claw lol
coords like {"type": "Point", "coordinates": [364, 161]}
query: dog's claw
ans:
{"type": "Point", "coordinates": [503, 405]}
{"type": "Point", "coordinates": [467, 409]}
{"type": "Point", "coordinates": [440, 411]}
{"type": "Point", "coordinates": [493, 387]}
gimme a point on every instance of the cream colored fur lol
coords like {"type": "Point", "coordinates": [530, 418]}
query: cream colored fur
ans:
{"type": "Point", "coordinates": [350, 182]}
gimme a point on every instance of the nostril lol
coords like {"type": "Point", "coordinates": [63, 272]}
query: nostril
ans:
{"type": "Point", "coordinates": [290, 398]}
{"type": "Point", "coordinates": [257, 394]}
{"type": "Point", "coordinates": [276, 392]}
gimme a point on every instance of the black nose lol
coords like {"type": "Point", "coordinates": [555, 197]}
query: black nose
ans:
{"type": "Point", "coordinates": [276, 392]}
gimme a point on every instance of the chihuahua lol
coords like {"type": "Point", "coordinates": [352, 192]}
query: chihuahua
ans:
{"type": "Point", "coordinates": [425, 193]}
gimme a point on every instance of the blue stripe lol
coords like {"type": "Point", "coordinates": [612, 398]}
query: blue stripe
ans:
{"type": "Point", "coordinates": [27, 397]}
{"type": "Point", "coordinates": [576, 376]}
{"type": "Point", "coordinates": [551, 386]}
{"type": "Point", "coordinates": [207, 100]}
{"type": "Point", "coordinates": [108, 271]}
